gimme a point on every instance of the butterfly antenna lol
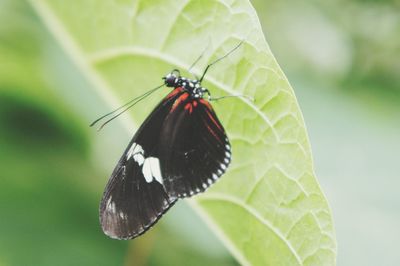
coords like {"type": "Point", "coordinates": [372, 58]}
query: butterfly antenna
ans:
{"type": "Point", "coordinates": [124, 110]}
{"type": "Point", "coordinates": [198, 59]}
{"type": "Point", "coordinates": [231, 96]}
{"type": "Point", "coordinates": [115, 116]}
{"type": "Point", "coordinates": [219, 59]}
{"type": "Point", "coordinates": [129, 104]}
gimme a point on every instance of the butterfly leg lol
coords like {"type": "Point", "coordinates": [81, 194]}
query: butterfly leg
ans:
{"type": "Point", "coordinates": [210, 98]}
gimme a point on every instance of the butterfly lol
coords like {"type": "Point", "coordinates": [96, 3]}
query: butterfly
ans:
{"type": "Point", "coordinates": [180, 150]}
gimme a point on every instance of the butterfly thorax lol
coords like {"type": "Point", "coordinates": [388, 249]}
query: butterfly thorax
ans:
{"type": "Point", "coordinates": [193, 86]}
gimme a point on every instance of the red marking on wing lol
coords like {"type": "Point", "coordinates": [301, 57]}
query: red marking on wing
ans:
{"type": "Point", "coordinates": [206, 103]}
{"type": "Point", "coordinates": [213, 119]}
{"type": "Point", "coordinates": [189, 107]}
{"type": "Point", "coordinates": [178, 101]}
{"type": "Point", "coordinates": [194, 103]}
{"type": "Point", "coordinates": [213, 133]}
{"type": "Point", "coordinates": [174, 92]}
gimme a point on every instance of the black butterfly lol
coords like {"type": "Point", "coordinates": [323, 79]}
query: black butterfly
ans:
{"type": "Point", "coordinates": [179, 150]}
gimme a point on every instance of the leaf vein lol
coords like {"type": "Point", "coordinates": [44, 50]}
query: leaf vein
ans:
{"type": "Point", "coordinates": [213, 196]}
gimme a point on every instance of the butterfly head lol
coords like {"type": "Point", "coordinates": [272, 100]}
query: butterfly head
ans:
{"type": "Point", "coordinates": [173, 79]}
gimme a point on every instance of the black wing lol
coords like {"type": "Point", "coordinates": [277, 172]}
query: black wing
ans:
{"type": "Point", "coordinates": [134, 198]}
{"type": "Point", "coordinates": [194, 148]}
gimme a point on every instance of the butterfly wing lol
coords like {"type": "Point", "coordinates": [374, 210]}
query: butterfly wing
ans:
{"type": "Point", "coordinates": [134, 198]}
{"type": "Point", "coordinates": [194, 148]}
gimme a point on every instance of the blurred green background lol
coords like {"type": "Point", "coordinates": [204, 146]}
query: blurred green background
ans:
{"type": "Point", "coordinates": [343, 60]}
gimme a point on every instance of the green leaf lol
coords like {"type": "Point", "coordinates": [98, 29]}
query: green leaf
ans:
{"type": "Point", "coordinates": [268, 209]}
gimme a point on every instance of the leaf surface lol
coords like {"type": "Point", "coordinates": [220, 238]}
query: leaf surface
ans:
{"type": "Point", "coordinates": [268, 209]}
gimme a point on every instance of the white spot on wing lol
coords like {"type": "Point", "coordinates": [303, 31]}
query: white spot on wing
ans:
{"type": "Point", "coordinates": [150, 166]}
{"type": "Point", "coordinates": [214, 176]}
{"type": "Point", "coordinates": [151, 170]}
{"type": "Point", "coordinates": [147, 171]}
{"type": "Point", "coordinates": [139, 158]}
{"type": "Point", "coordinates": [136, 151]}
{"type": "Point", "coordinates": [155, 169]}
{"type": "Point", "coordinates": [130, 152]}
{"type": "Point", "coordinates": [223, 166]}
{"type": "Point", "coordinates": [138, 148]}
